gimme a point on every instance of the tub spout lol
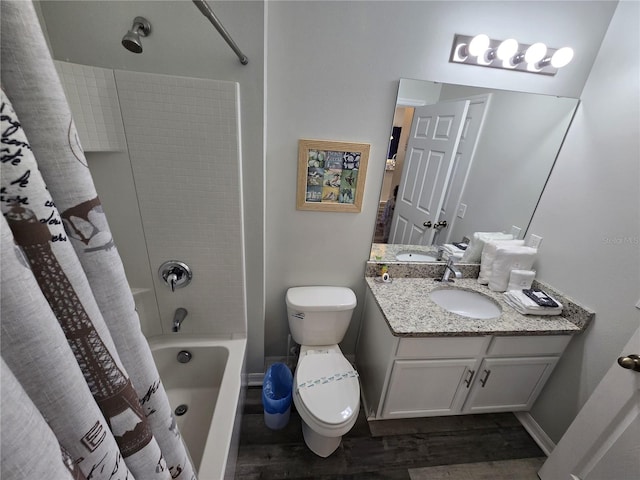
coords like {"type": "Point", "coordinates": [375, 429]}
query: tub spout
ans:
{"type": "Point", "coordinates": [178, 318]}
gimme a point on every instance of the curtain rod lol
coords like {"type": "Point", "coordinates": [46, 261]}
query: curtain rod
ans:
{"type": "Point", "coordinates": [204, 7]}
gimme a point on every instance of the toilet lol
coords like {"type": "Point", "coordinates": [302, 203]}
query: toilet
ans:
{"type": "Point", "coordinates": [326, 391]}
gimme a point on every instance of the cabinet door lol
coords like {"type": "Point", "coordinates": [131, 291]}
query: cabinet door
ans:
{"type": "Point", "coordinates": [508, 384]}
{"type": "Point", "coordinates": [423, 388]}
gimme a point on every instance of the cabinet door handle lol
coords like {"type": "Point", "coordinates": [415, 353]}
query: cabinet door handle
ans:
{"type": "Point", "coordinates": [483, 381]}
{"type": "Point", "coordinates": [470, 374]}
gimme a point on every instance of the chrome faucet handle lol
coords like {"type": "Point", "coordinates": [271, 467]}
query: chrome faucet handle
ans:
{"type": "Point", "coordinates": [450, 268]}
{"type": "Point", "coordinates": [175, 274]}
{"type": "Point", "coordinates": [451, 265]}
{"type": "Point", "coordinates": [171, 280]}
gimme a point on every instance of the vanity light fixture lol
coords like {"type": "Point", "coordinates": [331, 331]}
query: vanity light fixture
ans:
{"type": "Point", "coordinates": [508, 54]}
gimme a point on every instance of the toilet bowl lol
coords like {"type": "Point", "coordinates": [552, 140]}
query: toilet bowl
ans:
{"type": "Point", "coordinates": [326, 388]}
{"type": "Point", "coordinates": [326, 396]}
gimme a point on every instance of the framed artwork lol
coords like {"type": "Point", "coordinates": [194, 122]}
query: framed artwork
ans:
{"type": "Point", "coordinates": [331, 175]}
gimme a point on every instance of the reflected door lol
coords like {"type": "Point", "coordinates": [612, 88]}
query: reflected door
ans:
{"type": "Point", "coordinates": [435, 133]}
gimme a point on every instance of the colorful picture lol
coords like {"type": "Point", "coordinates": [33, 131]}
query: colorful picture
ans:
{"type": "Point", "coordinates": [348, 183]}
{"type": "Point", "coordinates": [331, 175]}
{"type": "Point", "coordinates": [334, 160]}
{"type": "Point", "coordinates": [315, 176]}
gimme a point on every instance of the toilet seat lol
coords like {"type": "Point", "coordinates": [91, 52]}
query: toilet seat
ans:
{"type": "Point", "coordinates": [327, 385]}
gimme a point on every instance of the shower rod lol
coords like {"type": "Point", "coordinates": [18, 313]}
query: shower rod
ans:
{"type": "Point", "coordinates": [204, 7]}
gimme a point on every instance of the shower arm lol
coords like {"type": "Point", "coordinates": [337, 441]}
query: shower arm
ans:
{"type": "Point", "coordinates": [204, 7]}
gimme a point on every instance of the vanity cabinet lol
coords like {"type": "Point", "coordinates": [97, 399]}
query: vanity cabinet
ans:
{"type": "Point", "coordinates": [421, 388]}
{"type": "Point", "coordinates": [508, 384]}
{"type": "Point", "coordinates": [405, 377]}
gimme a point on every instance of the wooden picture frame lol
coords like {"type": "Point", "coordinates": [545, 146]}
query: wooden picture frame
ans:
{"type": "Point", "coordinates": [331, 175]}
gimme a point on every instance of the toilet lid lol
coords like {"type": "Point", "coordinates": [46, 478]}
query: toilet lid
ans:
{"type": "Point", "coordinates": [328, 387]}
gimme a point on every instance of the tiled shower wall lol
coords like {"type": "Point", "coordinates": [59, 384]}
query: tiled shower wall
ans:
{"type": "Point", "coordinates": [183, 143]}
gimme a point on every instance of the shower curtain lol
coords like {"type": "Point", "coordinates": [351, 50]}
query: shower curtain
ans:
{"type": "Point", "coordinates": [80, 396]}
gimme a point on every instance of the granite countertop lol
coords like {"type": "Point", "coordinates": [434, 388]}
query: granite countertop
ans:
{"type": "Point", "coordinates": [409, 312]}
{"type": "Point", "coordinates": [386, 252]}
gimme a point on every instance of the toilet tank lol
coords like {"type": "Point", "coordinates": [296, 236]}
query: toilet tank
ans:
{"type": "Point", "coordinates": [319, 315]}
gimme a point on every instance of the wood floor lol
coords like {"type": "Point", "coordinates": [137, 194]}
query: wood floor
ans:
{"type": "Point", "coordinates": [379, 450]}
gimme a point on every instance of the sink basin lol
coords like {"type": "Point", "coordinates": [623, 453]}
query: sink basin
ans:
{"type": "Point", "coordinates": [408, 256]}
{"type": "Point", "coordinates": [466, 303]}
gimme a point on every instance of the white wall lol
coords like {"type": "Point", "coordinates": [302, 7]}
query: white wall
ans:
{"type": "Point", "coordinates": [332, 73]}
{"type": "Point", "coordinates": [183, 42]}
{"type": "Point", "coordinates": [589, 216]}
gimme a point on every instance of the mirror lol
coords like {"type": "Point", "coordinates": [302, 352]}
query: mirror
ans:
{"type": "Point", "coordinates": [501, 148]}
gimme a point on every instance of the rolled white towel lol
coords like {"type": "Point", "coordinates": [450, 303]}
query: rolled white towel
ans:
{"type": "Point", "coordinates": [526, 306]}
{"type": "Point", "coordinates": [489, 254]}
{"type": "Point", "coordinates": [474, 250]}
{"type": "Point", "coordinates": [509, 257]}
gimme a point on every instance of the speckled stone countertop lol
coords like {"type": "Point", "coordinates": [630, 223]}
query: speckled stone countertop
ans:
{"type": "Point", "coordinates": [386, 252]}
{"type": "Point", "coordinates": [409, 312]}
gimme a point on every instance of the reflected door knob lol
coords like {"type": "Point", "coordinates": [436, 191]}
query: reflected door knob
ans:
{"type": "Point", "coordinates": [631, 362]}
{"type": "Point", "coordinates": [440, 224]}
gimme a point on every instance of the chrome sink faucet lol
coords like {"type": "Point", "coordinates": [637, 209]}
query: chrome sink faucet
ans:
{"type": "Point", "coordinates": [450, 268]}
{"type": "Point", "coordinates": [178, 318]}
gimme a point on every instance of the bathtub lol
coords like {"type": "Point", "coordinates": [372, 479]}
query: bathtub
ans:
{"type": "Point", "coordinates": [211, 386]}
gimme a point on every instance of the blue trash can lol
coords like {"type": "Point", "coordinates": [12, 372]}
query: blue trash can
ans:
{"type": "Point", "coordinates": [276, 395]}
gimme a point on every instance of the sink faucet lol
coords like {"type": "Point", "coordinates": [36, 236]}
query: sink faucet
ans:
{"type": "Point", "coordinates": [178, 318]}
{"type": "Point", "coordinates": [450, 268]}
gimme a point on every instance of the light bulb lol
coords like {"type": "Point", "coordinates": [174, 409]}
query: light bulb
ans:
{"type": "Point", "coordinates": [535, 53]}
{"type": "Point", "coordinates": [507, 49]}
{"type": "Point", "coordinates": [461, 53]}
{"type": "Point", "coordinates": [478, 45]}
{"type": "Point", "coordinates": [562, 57]}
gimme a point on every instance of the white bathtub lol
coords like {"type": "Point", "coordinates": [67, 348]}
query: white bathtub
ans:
{"type": "Point", "coordinates": [212, 388]}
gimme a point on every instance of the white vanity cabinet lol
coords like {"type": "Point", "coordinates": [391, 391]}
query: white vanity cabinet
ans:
{"type": "Point", "coordinates": [403, 377]}
{"type": "Point", "coordinates": [513, 372]}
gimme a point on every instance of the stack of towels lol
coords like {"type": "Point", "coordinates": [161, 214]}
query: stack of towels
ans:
{"type": "Point", "coordinates": [526, 306]}
{"type": "Point", "coordinates": [500, 257]}
{"type": "Point", "coordinates": [452, 251]}
{"type": "Point", "coordinates": [508, 258]}
{"type": "Point", "coordinates": [489, 254]}
{"type": "Point", "coordinates": [474, 251]}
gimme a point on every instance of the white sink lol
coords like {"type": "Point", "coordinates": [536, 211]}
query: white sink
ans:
{"type": "Point", "coordinates": [466, 303]}
{"type": "Point", "coordinates": [410, 256]}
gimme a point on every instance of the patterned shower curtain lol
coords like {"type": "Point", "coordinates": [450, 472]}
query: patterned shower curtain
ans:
{"type": "Point", "coordinates": [81, 396]}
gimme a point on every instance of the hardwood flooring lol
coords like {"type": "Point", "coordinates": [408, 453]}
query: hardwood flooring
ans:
{"type": "Point", "coordinates": [520, 469]}
{"type": "Point", "coordinates": [378, 450]}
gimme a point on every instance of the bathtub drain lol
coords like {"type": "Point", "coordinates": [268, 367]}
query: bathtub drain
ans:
{"type": "Point", "coordinates": [181, 410]}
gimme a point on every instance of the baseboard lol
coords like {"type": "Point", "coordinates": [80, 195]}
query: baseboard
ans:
{"type": "Point", "coordinates": [537, 433]}
{"type": "Point", "coordinates": [255, 379]}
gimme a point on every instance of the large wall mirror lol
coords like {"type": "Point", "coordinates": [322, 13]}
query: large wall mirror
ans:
{"type": "Point", "coordinates": [465, 159]}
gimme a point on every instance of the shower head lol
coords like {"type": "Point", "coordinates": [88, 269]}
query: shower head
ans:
{"type": "Point", "coordinates": [141, 28]}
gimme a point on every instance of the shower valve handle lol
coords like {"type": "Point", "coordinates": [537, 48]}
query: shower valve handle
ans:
{"type": "Point", "coordinates": [172, 279]}
{"type": "Point", "coordinates": [175, 274]}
